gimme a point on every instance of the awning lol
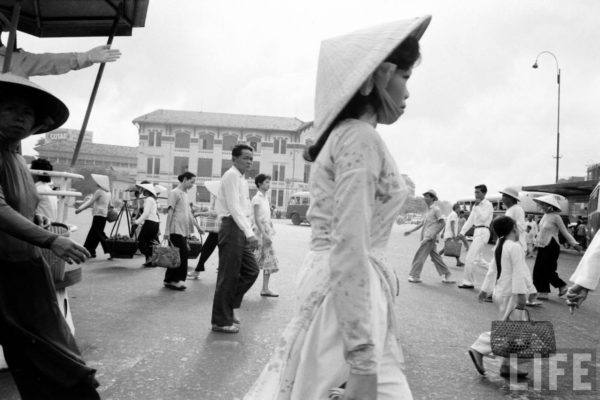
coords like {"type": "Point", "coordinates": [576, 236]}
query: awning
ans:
{"type": "Point", "coordinates": [574, 191]}
{"type": "Point", "coordinates": [71, 18]}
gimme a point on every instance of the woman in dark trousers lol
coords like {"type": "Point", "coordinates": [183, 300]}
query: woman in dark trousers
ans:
{"type": "Point", "coordinates": [179, 227]}
{"type": "Point", "coordinates": [546, 262]}
{"type": "Point", "coordinates": [100, 203]}
{"type": "Point", "coordinates": [149, 220]}
{"type": "Point", "coordinates": [40, 350]}
{"type": "Point", "coordinates": [209, 246]}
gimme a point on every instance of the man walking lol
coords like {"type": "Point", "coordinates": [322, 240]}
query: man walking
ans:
{"type": "Point", "coordinates": [432, 225]}
{"type": "Point", "coordinates": [237, 266]}
{"type": "Point", "coordinates": [480, 218]}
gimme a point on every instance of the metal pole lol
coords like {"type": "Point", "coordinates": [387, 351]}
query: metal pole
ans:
{"type": "Point", "coordinates": [558, 125]}
{"type": "Point", "coordinates": [12, 36]}
{"type": "Point", "coordinates": [95, 90]}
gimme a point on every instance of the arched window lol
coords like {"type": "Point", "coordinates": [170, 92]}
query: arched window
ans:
{"type": "Point", "coordinates": [206, 141]}
{"type": "Point", "coordinates": [229, 141]}
{"type": "Point", "coordinates": [182, 140]}
{"type": "Point", "coordinates": [254, 142]}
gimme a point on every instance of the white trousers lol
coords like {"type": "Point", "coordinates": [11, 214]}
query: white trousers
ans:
{"type": "Point", "coordinates": [480, 239]}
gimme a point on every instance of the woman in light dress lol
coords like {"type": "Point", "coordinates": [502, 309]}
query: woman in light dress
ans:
{"type": "Point", "coordinates": [264, 231]}
{"type": "Point", "coordinates": [344, 330]}
{"type": "Point", "coordinates": [509, 279]}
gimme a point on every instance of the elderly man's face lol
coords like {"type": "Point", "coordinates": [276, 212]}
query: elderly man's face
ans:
{"type": "Point", "coordinates": [17, 118]}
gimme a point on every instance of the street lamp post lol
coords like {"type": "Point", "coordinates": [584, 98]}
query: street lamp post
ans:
{"type": "Point", "coordinates": [535, 65]}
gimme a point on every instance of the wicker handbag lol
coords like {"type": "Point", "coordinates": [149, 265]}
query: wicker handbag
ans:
{"type": "Point", "coordinates": [165, 255]}
{"type": "Point", "coordinates": [452, 248]}
{"type": "Point", "coordinates": [523, 339]}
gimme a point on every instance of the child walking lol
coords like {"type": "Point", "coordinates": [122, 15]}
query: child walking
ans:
{"type": "Point", "coordinates": [530, 240]}
{"type": "Point", "coordinates": [510, 281]}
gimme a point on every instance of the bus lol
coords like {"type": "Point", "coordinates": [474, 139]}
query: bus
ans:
{"type": "Point", "coordinates": [525, 201]}
{"type": "Point", "coordinates": [297, 207]}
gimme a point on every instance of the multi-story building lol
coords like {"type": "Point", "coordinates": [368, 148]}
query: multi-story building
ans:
{"type": "Point", "coordinates": [172, 142]}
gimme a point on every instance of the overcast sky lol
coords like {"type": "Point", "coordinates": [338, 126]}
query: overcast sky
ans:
{"type": "Point", "coordinates": [478, 112]}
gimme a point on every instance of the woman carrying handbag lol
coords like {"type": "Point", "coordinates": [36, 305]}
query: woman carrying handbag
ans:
{"type": "Point", "coordinates": [149, 220]}
{"type": "Point", "coordinates": [510, 280]}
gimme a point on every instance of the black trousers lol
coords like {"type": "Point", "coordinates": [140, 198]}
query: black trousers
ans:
{"type": "Point", "coordinates": [148, 235]}
{"type": "Point", "coordinates": [237, 272]}
{"type": "Point", "coordinates": [544, 269]}
{"type": "Point", "coordinates": [178, 274]}
{"type": "Point", "coordinates": [96, 234]}
{"type": "Point", "coordinates": [209, 246]}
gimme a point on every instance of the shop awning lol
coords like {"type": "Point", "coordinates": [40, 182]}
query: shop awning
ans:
{"type": "Point", "coordinates": [574, 191]}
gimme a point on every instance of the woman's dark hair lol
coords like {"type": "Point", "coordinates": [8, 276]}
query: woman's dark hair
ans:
{"type": "Point", "coordinates": [260, 178]}
{"type": "Point", "coordinates": [185, 175]}
{"type": "Point", "coordinates": [502, 225]}
{"type": "Point", "coordinates": [404, 57]}
{"type": "Point", "coordinates": [43, 165]}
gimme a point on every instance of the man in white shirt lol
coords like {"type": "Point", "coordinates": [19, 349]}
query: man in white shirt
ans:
{"type": "Point", "coordinates": [480, 218]}
{"type": "Point", "coordinates": [237, 265]}
{"type": "Point", "coordinates": [534, 226]}
{"type": "Point", "coordinates": [510, 198]}
{"type": "Point", "coordinates": [432, 225]}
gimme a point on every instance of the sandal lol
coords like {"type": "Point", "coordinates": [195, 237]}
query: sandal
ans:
{"type": "Point", "coordinates": [225, 329]}
{"type": "Point", "coordinates": [269, 294]}
{"type": "Point", "coordinates": [533, 303]}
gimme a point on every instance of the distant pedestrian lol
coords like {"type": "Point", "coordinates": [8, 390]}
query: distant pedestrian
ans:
{"type": "Point", "coordinates": [546, 263]}
{"type": "Point", "coordinates": [237, 265]}
{"type": "Point", "coordinates": [149, 221]}
{"type": "Point", "coordinates": [530, 241]}
{"type": "Point", "coordinates": [480, 219]}
{"type": "Point", "coordinates": [533, 224]}
{"type": "Point", "coordinates": [180, 225]}
{"type": "Point", "coordinates": [100, 203]}
{"type": "Point", "coordinates": [212, 239]}
{"type": "Point", "coordinates": [581, 232]}
{"type": "Point", "coordinates": [263, 228]}
{"type": "Point", "coordinates": [451, 231]}
{"type": "Point", "coordinates": [509, 279]}
{"type": "Point", "coordinates": [432, 225]}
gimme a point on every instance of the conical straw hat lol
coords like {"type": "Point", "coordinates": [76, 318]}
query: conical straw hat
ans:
{"type": "Point", "coordinates": [213, 187]}
{"type": "Point", "coordinates": [549, 200]}
{"type": "Point", "coordinates": [346, 62]}
{"type": "Point", "coordinates": [102, 181]}
{"type": "Point", "coordinates": [50, 112]}
{"type": "Point", "coordinates": [147, 186]}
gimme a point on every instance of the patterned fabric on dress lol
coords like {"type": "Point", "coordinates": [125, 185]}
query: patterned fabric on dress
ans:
{"type": "Point", "coordinates": [265, 255]}
{"type": "Point", "coordinates": [356, 195]}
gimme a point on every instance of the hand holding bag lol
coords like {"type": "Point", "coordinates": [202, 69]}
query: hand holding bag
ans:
{"type": "Point", "coordinates": [452, 248]}
{"type": "Point", "coordinates": [523, 339]}
{"type": "Point", "coordinates": [165, 255]}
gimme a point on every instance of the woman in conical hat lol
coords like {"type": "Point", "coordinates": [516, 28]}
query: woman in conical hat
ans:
{"type": "Point", "coordinates": [149, 221]}
{"type": "Point", "coordinates": [344, 332]}
{"type": "Point", "coordinates": [546, 262]}
{"type": "Point", "coordinates": [39, 348]}
{"type": "Point", "coordinates": [100, 203]}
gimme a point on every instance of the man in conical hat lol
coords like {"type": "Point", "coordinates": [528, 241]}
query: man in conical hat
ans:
{"type": "Point", "coordinates": [39, 348]}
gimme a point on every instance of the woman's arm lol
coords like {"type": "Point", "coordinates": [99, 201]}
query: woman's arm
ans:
{"type": "Point", "coordinates": [256, 220]}
{"type": "Point", "coordinates": [146, 213]}
{"type": "Point", "coordinates": [565, 232]}
{"type": "Point", "coordinates": [89, 202]}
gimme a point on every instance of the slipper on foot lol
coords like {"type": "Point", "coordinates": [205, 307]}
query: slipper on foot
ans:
{"type": "Point", "coordinates": [225, 329]}
{"type": "Point", "coordinates": [269, 294]}
{"type": "Point", "coordinates": [477, 361]}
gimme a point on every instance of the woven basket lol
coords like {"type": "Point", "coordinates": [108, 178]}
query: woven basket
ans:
{"type": "Point", "coordinates": [523, 339]}
{"type": "Point", "coordinates": [120, 248]}
{"type": "Point", "coordinates": [56, 264]}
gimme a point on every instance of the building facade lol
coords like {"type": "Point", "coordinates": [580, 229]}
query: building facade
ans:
{"type": "Point", "coordinates": [172, 142]}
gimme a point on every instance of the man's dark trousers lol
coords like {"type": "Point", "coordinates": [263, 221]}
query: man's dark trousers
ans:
{"type": "Point", "coordinates": [237, 272]}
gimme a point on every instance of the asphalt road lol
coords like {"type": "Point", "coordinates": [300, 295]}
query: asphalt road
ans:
{"type": "Point", "coordinates": [151, 343]}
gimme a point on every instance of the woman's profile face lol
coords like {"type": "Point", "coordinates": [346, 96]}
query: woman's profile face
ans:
{"type": "Point", "coordinates": [17, 118]}
{"type": "Point", "coordinates": [396, 87]}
